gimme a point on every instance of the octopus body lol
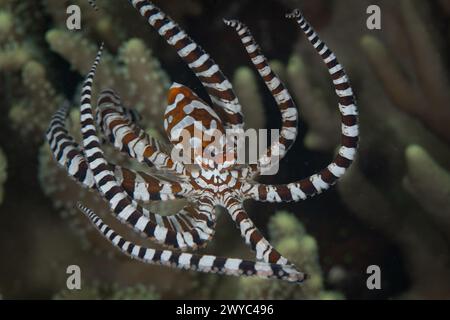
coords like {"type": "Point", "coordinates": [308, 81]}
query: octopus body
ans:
{"type": "Point", "coordinates": [214, 178]}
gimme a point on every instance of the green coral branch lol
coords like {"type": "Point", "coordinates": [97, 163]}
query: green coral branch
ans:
{"type": "Point", "coordinates": [30, 115]}
{"type": "Point", "coordinates": [409, 228]}
{"type": "Point", "coordinates": [246, 87]}
{"type": "Point", "coordinates": [134, 73]}
{"type": "Point", "coordinates": [426, 95]}
{"type": "Point", "coordinates": [148, 83]}
{"type": "Point", "coordinates": [99, 26]}
{"type": "Point", "coordinates": [18, 43]}
{"type": "Point", "coordinates": [323, 122]}
{"type": "Point", "coordinates": [14, 53]}
{"type": "Point", "coordinates": [80, 52]}
{"type": "Point", "coordinates": [429, 183]}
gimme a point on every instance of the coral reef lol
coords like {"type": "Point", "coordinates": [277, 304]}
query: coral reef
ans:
{"type": "Point", "coordinates": [420, 235]}
{"type": "Point", "coordinates": [425, 177]}
{"type": "Point", "coordinates": [420, 232]}
{"type": "Point", "coordinates": [30, 114]}
{"type": "Point", "coordinates": [25, 79]}
{"type": "Point", "coordinates": [316, 109]}
{"type": "Point", "coordinates": [117, 23]}
{"type": "Point", "coordinates": [93, 25]}
{"type": "Point", "coordinates": [423, 91]}
{"type": "Point", "coordinates": [244, 83]}
{"type": "Point", "coordinates": [322, 118]}
{"type": "Point", "coordinates": [23, 59]}
{"type": "Point", "coordinates": [135, 74]}
{"type": "Point", "coordinates": [18, 44]}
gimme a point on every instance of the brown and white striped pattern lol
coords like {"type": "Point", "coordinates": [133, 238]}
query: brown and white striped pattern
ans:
{"type": "Point", "coordinates": [220, 90]}
{"type": "Point", "coordinates": [125, 208]}
{"type": "Point", "coordinates": [201, 263]}
{"type": "Point", "coordinates": [289, 114]}
{"type": "Point", "coordinates": [127, 137]}
{"type": "Point", "coordinates": [321, 181]}
{"type": "Point", "coordinates": [252, 236]}
{"type": "Point", "coordinates": [139, 185]}
{"type": "Point", "coordinates": [109, 99]}
{"type": "Point", "coordinates": [195, 128]}
{"type": "Point", "coordinates": [205, 187]}
{"type": "Point", "coordinates": [66, 151]}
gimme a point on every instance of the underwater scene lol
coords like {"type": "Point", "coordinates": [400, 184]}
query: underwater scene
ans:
{"type": "Point", "coordinates": [211, 149]}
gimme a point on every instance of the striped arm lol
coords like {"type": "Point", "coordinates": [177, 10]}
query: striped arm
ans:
{"type": "Point", "coordinates": [195, 223]}
{"type": "Point", "coordinates": [124, 207]}
{"type": "Point", "coordinates": [252, 236]}
{"type": "Point", "coordinates": [144, 187]}
{"type": "Point", "coordinates": [220, 90]}
{"type": "Point", "coordinates": [140, 186]}
{"type": "Point", "coordinates": [191, 220]}
{"type": "Point", "coordinates": [66, 151]}
{"type": "Point", "coordinates": [328, 176]}
{"type": "Point", "coordinates": [289, 114]}
{"type": "Point", "coordinates": [202, 263]}
{"type": "Point", "coordinates": [118, 126]}
{"type": "Point", "coordinates": [109, 96]}
{"type": "Point", "coordinates": [194, 227]}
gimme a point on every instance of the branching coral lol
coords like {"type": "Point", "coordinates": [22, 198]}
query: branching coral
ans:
{"type": "Point", "coordinates": [429, 184]}
{"type": "Point", "coordinates": [79, 51]}
{"type": "Point", "coordinates": [15, 48]}
{"type": "Point", "coordinates": [394, 173]}
{"type": "Point", "coordinates": [148, 83]}
{"type": "Point", "coordinates": [420, 239]}
{"type": "Point", "coordinates": [421, 233]}
{"type": "Point", "coordinates": [245, 85]}
{"type": "Point", "coordinates": [423, 92]}
{"type": "Point", "coordinates": [25, 78]}
{"type": "Point", "coordinates": [135, 74]}
{"type": "Point", "coordinates": [29, 114]}
{"type": "Point", "coordinates": [115, 23]}
{"type": "Point", "coordinates": [92, 24]}
{"type": "Point", "coordinates": [315, 109]}
{"type": "Point", "coordinates": [13, 53]}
